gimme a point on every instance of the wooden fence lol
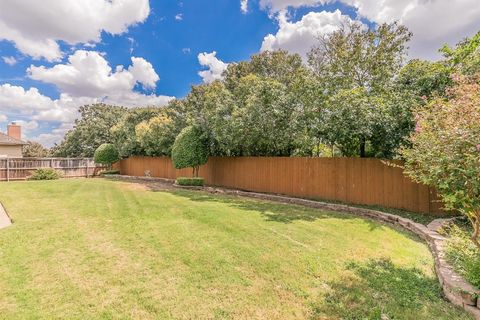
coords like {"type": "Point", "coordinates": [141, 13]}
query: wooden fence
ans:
{"type": "Point", "coordinates": [348, 180]}
{"type": "Point", "coordinates": [22, 168]}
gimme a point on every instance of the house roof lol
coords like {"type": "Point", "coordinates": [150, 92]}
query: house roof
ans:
{"type": "Point", "coordinates": [7, 140]}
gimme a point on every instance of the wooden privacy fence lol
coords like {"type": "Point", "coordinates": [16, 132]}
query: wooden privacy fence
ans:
{"type": "Point", "coordinates": [22, 168]}
{"type": "Point", "coordinates": [349, 180]}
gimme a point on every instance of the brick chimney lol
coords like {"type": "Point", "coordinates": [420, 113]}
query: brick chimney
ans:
{"type": "Point", "coordinates": [14, 131]}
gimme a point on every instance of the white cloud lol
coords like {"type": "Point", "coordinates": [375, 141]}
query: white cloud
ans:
{"type": "Point", "coordinates": [9, 60]}
{"type": "Point", "coordinates": [55, 136]}
{"type": "Point", "coordinates": [299, 37]}
{"type": "Point", "coordinates": [3, 118]}
{"type": "Point", "coordinates": [215, 67]}
{"type": "Point", "coordinates": [433, 22]}
{"type": "Point", "coordinates": [244, 6]}
{"type": "Point", "coordinates": [143, 72]}
{"type": "Point", "coordinates": [35, 27]}
{"type": "Point", "coordinates": [85, 79]}
{"type": "Point", "coordinates": [179, 17]}
{"type": "Point", "coordinates": [279, 5]}
{"type": "Point", "coordinates": [88, 74]}
{"type": "Point", "coordinates": [17, 99]}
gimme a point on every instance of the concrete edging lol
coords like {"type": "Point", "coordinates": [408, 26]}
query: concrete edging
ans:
{"type": "Point", "coordinates": [456, 289]}
{"type": "Point", "coordinates": [5, 220]}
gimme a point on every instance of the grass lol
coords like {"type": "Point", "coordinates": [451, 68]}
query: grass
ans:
{"type": "Point", "coordinates": [100, 249]}
{"type": "Point", "coordinates": [424, 219]}
{"type": "Point", "coordinates": [461, 252]}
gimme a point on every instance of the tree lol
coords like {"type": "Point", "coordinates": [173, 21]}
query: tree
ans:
{"type": "Point", "coordinates": [280, 65]}
{"type": "Point", "coordinates": [157, 135]}
{"type": "Point", "coordinates": [35, 150]}
{"type": "Point", "coordinates": [445, 150]}
{"type": "Point", "coordinates": [424, 78]}
{"type": "Point", "coordinates": [106, 154]}
{"type": "Point", "coordinates": [208, 107]}
{"type": "Point", "coordinates": [465, 57]}
{"type": "Point", "coordinates": [354, 57]}
{"type": "Point", "coordinates": [123, 132]}
{"type": "Point", "coordinates": [190, 149]}
{"type": "Point", "coordinates": [91, 130]}
{"type": "Point", "coordinates": [356, 68]}
{"type": "Point", "coordinates": [262, 123]}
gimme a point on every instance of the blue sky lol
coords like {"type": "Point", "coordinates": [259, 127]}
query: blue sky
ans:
{"type": "Point", "coordinates": [59, 54]}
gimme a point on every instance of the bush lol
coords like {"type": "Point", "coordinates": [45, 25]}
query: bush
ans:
{"type": "Point", "coordinates": [106, 154]}
{"type": "Point", "coordinates": [107, 172]}
{"type": "Point", "coordinates": [45, 174]}
{"type": "Point", "coordinates": [195, 182]}
{"type": "Point", "coordinates": [190, 149]}
{"type": "Point", "coordinates": [445, 149]}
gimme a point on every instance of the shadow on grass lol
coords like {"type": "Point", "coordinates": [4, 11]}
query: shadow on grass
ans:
{"type": "Point", "coordinates": [378, 289]}
{"type": "Point", "coordinates": [271, 211]}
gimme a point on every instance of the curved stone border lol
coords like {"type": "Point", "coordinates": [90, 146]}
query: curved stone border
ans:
{"type": "Point", "coordinates": [456, 289]}
{"type": "Point", "coordinates": [5, 220]}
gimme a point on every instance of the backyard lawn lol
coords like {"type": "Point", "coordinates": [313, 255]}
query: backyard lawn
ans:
{"type": "Point", "coordinates": [102, 249]}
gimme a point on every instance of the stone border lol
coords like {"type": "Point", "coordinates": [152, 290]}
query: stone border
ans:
{"type": "Point", "coordinates": [456, 289]}
{"type": "Point", "coordinates": [5, 220]}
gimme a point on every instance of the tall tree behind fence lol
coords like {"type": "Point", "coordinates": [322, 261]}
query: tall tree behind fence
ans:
{"type": "Point", "coordinates": [22, 168]}
{"type": "Point", "coordinates": [349, 180]}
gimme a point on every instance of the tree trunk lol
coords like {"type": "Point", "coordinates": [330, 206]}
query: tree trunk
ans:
{"type": "Point", "coordinates": [362, 148]}
{"type": "Point", "coordinates": [195, 171]}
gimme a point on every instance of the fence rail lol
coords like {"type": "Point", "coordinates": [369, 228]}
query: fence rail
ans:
{"type": "Point", "coordinates": [349, 180]}
{"type": "Point", "coordinates": [22, 168]}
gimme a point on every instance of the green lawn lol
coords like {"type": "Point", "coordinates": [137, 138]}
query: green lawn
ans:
{"type": "Point", "coordinates": [100, 249]}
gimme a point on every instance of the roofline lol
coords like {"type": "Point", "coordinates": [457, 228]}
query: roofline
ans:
{"type": "Point", "coordinates": [21, 143]}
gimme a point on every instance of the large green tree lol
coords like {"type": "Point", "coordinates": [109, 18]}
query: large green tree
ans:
{"type": "Point", "coordinates": [91, 130]}
{"type": "Point", "coordinates": [424, 79]}
{"type": "Point", "coordinates": [356, 68]}
{"type": "Point", "coordinates": [157, 135]}
{"type": "Point", "coordinates": [464, 58]}
{"type": "Point", "coordinates": [123, 131]}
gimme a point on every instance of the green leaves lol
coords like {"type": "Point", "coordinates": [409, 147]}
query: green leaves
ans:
{"type": "Point", "coordinates": [444, 152]}
{"type": "Point", "coordinates": [106, 154]}
{"type": "Point", "coordinates": [190, 149]}
{"type": "Point", "coordinates": [156, 136]}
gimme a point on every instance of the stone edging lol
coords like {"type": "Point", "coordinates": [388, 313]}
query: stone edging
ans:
{"type": "Point", "coordinates": [5, 220]}
{"type": "Point", "coordinates": [456, 289]}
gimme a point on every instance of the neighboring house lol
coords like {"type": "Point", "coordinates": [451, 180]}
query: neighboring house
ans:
{"type": "Point", "coordinates": [11, 143]}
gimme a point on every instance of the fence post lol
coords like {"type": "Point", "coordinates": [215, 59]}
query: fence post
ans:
{"type": "Point", "coordinates": [8, 169]}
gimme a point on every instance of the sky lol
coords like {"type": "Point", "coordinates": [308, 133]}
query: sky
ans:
{"type": "Point", "coordinates": [56, 55]}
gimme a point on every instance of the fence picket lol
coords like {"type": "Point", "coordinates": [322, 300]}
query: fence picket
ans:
{"type": "Point", "coordinates": [351, 180]}
{"type": "Point", "coordinates": [22, 168]}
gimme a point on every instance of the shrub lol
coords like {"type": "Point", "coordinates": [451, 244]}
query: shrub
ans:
{"type": "Point", "coordinates": [106, 154]}
{"type": "Point", "coordinates": [445, 150]}
{"type": "Point", "coordinates": [45, 174]}
{"type": "Point", "coordinates": [107, 172]}
{"type": "Point", "coordinates": [196, 182]}
{"type": "Point", "coordinates": [463, 254]}
{"type": "Point", "coordinates": [190, 149]}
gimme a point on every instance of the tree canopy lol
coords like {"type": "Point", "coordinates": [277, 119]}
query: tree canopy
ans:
{"type": "Point", "coordinates": [190, 149]}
